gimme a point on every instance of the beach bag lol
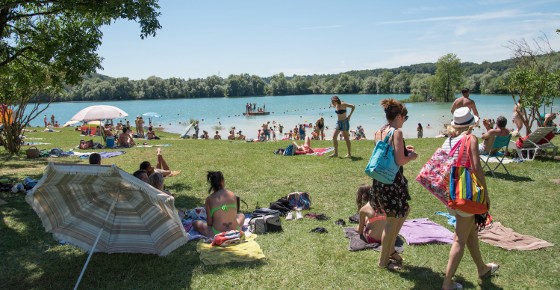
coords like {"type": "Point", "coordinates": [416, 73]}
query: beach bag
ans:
{"type": "Point", "coordinates": [382, 166]}
{"type": "Point", "coordinates": [264, 221]}
{"type": "Point", "coordinates": [465, 190]}
{"type": "Point", "coordinates": [32, 152]}
{"type": "Point", "coordinates": [299, 200]}
{"type": "Point", "coordinates": [290, 150]}
{"type": "Point", "coordinates": [434, 175]}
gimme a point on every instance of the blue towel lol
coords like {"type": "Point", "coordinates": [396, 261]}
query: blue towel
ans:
{"type": "Point", "coordinates": [451, 220]}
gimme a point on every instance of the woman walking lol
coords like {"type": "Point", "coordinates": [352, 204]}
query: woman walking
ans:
{"type": "Point", "coordinates": [392, 199]}
{"type": "Point", "coordinates": [342, 124]}
{"type": "Point", "coordinates": [466, 233]}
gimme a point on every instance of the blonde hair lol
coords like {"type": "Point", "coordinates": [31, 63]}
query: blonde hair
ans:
{"type": "Point", "coordinates": [454, 131]}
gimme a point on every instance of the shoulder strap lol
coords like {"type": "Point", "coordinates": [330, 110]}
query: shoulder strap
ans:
{"type": "Point", "coordinates": [465, 144]}
{"type": "Point", "coordinates": [389, 135]}
{"type": "Point", "coordinates": [452, 152]}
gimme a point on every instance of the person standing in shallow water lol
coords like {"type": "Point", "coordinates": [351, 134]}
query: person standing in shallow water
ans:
{"type": "Point", "coordinates": [465, 101]}
{"type": "Point", "coordinates": [342, 124]}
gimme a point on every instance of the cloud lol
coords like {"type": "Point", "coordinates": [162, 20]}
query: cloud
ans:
{"type": "Point", "coordinates": [321, 27]}
{"type": "Point", "coordinates": [475, 17]}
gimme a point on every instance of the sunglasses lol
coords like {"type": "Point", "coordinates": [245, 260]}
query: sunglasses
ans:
{"type": "Point", "coordinates": [405, 117]}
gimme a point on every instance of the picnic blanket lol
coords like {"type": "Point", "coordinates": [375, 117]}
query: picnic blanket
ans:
{"type": "Point", "coordinates": [85, 155]}
{"type": "Point", "coordinates": [505, 238]}
{"type": "Point", "coordinates": [357, 244]}
{"type": "Point", "coordinates": [424, 231]}
{"type": "Point", "coordinates": [248, 251]}
{"type": "Point", "coordinates": [320, 151]}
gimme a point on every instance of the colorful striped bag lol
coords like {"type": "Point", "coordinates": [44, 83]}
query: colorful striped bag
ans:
{"type": "Point", "coordinates": [465, 190]}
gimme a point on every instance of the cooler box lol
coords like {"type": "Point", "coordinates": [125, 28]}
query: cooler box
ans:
{"type": "Point", "coordinates": [110, 141]}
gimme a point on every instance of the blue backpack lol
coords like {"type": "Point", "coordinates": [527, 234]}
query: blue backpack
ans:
{"type": "Point", "coordinates": [290, 150]}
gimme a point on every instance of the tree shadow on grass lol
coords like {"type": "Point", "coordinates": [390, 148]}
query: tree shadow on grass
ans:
{"type": "Point", "coordinates": [32, 258]}
{"type": "Point", "coordinates": [188, 202]}
{"type": "Point", "coordinates": [178, 187]}
{"type": "Point", "coordinates": [509, 177]}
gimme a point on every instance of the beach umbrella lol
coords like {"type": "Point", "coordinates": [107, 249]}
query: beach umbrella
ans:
{"type": "Point", "coordinates": [151, 115]}
{"type": "Point", "coordinates": [104, 209]}
{"type": "Point", "coordinates": [99, 112]}
{"type": "Point", "coordinates": [70, 123]}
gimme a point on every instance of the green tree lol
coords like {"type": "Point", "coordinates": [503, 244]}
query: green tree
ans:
{"type": "Point", "coordinates": [420, 85]}
{"type": "Point", "coordinates": [278, 85]}
{"type": "Point", "coordinates": [47, 44]}
{"type": "Point", "coordinates": [535, 80]}
{"type": "Point", "coordinates": [448, 77]}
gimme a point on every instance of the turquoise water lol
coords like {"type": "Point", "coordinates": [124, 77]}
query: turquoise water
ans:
{"type": "Point", "coordinates": [286, 110]}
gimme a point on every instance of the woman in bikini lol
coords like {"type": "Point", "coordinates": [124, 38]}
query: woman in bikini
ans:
{"type": "Point", "coordinates": [342, 124]}
{"type": "Point", "coordinates": [221, 207]}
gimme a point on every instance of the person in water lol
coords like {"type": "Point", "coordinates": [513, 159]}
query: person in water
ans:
{"type": "Point", "coordinates": [342, 124]}
{"type": "Point", "coordinates": [221, 208]}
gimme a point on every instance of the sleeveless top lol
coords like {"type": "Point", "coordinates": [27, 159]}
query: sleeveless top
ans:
{"type": "Point", "coordinates": [450, 142]}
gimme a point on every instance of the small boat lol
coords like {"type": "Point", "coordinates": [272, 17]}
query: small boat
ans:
{"type": "Point", "coordinates": [256, 113]}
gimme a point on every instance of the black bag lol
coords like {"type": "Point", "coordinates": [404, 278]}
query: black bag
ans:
{"type": "Point", "coordinates": [265, 220]}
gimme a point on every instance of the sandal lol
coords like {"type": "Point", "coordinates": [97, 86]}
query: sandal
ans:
{"type": "Point", "coordinates": [392, 266]}
{"type": "Point", "coordinates": [396, 258]}
{"type": "Point", "coordinates": [493, 268]}
{"type": "Point", "coordinates": [333, 155]}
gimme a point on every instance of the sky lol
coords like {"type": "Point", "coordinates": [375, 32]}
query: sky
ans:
{"type": "Point", "coordinates": [199, 39]}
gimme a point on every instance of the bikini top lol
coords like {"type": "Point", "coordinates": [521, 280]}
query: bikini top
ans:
{"type": "Point", "coordinates": [340, 112]}
{"type": "Point", "coordinates": [224, 207]}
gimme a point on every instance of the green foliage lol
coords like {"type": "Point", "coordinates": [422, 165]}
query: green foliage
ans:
{"type": "Point", "coordinates": [414, 99]}
{"type": "Point", "coordinates": [448, 77]}
{"type": "Point", "coordinates": [45, 45]}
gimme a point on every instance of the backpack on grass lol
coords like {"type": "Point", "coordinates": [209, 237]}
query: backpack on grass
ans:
{"type": "Point", "coordinates": [264, 221]}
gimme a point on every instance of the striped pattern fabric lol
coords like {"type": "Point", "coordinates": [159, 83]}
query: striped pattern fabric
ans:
{"type": "Point", "coordinates": [72, 202]}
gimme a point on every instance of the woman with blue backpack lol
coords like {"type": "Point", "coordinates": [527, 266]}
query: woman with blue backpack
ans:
{"type": "Point", "coordinates": [392, 199]}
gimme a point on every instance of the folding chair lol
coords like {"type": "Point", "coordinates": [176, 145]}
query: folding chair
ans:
{"type": "Point", "coordinates": [498, 151]}
{"type": "Point", "coordinates": [536, 142]}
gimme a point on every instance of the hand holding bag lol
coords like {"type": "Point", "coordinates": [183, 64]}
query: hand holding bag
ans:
{"type": "Point", "coordinates": [465, 190]}
{"type": "Point", "coordinates": [382, 166]}
{"type": "Point", "coordinates": [434, 175]}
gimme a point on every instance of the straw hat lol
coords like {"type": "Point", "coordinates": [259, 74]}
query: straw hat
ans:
{"type": "Point", "coordinates": [463, 117]}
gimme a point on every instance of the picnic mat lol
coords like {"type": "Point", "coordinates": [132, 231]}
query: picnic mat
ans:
{"type": "Point", "coordinates": [424, 231]}
{"type": "Point", "coordinates": [357, 244]}
{"type": "Point", "coordinates": [321, 151]}
{"type": "Point", "coordinates": [248, 251]}
{"type": "Point", "coordinates": [506, 238]}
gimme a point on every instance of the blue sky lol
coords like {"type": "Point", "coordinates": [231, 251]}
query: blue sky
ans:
{"type": "Point", "coordinates": [203, 38]}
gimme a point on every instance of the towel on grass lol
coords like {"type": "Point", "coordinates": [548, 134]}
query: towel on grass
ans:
{"type": "Point", "coordinates": [495, 160]}
{"type": "Point", "coordinates": [248, 251]}
{"type": "Point", "coordinates": [357, 244]}
{"type": "Point", "coordinates": [85, 155]}
{"type": "Point", "coordinates": [506, 238]}
{"type": "Point", "coordinates": [199, 213]}
{"type": "Point", "coordinates": [451, 220]}
{"type": "Point", "coordinates": [424, 231]}
{"type": "Point", "coordinates": [321, 151]}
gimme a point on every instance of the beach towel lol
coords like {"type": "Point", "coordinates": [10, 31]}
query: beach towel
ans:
{"type": "Point", "coordinates": [199, 213]}
{"type": "Point", "coordinates": [496, 160]}
{"type": "Point", "coordinates": [505, 238]}
{"type": "Point", "coordinates": [85, 155]}
{"type": "Point", "coordinates": [318, 151]}
{"type": "Point", "coordinates": [248, 251]}
{"type": "Point", "coordinates": [424, 231]}
{"type": "Point", "coordinates": [357, 244]}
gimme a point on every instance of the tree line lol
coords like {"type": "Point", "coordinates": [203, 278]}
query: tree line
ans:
{"type": "Point", "coordinates": [421, 81]}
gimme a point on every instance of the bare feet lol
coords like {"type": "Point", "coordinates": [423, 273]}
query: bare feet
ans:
{"type": "Point", "coordinates": [158, 151]}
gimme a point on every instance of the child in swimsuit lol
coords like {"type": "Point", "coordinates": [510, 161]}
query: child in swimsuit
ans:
{"type": "Point", "coordinates": [221, 206]}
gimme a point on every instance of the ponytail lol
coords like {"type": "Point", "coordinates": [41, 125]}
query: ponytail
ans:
{"type": "Point", "coordinates": [215, 179]}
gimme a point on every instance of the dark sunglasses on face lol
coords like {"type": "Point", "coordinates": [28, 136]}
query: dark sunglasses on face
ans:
{"type": "Point", "coordinates": [405, 117]}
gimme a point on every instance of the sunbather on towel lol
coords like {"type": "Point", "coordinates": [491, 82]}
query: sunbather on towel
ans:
{"type": "Point", "coordinates": [305, 148]}
{"type": "Point", "coordinates": [221, 208]}
{"type": "Point", "coordinates": [370, 224]}
{"type": "Point", "coordinates": [488, 138]}
{"type": "Point", "coordinates": [161, 166]}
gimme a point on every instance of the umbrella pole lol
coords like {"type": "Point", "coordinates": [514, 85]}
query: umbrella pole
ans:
{"type": "Point", "coordinates": [95, 243]}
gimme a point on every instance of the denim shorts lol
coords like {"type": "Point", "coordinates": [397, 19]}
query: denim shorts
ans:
{"type": "Point", "coordinates": [342, 125]}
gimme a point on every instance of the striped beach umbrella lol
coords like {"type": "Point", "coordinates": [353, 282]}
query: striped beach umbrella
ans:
{"type": "Point", "coordinates": [104, 209]}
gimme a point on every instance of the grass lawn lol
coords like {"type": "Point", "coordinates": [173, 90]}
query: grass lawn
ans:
{"type": "Point", "coordinates": [526, 201]}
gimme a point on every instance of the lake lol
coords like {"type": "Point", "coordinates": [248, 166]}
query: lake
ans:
{"type": "Point", "coordinates": [286, 110]}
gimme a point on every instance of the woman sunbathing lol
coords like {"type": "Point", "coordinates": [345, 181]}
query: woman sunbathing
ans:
{"type": "Point", "coordinates": [305, 148]}
{"type": "Point", "coordinates": [221, 208]}
{"type": "Point", "coordinates": [370, 225]}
